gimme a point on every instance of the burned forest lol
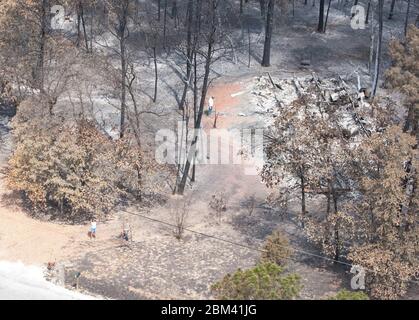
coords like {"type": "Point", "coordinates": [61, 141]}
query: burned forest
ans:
{"type": "Point", "coordinates": [209, 150]}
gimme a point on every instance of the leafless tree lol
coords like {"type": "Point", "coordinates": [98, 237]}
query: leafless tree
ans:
{"type": "Point", "coordinates": [180, 212]}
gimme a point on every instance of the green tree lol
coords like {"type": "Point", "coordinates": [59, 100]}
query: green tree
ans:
{"type": "Point", "coordinates": [265, 281]}
{"type": "Point", "coordinates": [276, 249]}
{"type": "Point", "coordinates": [349, 295]}
{"type": "Point", "coordinates": [385, 212]}
{"type": "Point", "coordinates": [403, 75]}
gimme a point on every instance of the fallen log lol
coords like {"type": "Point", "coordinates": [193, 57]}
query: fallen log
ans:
{"type": "Point", "coordinates": [275, 85]}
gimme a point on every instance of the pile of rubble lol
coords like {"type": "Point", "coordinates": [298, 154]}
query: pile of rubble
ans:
{"type": "Point", "coordinates": [270, 95]}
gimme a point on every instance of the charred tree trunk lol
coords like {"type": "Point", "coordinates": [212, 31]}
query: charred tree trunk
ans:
{"type": "Point", "coordinates": [83, 23]}
{"type": "Point", "coordinates": [406, 22]}
{"type": "Point", "coordinates": [78, 24]}
{"type": "Point", "coordinates": [262, 8]}
{"type": "Point", "coordinates": [327, 15]}
{"type": "Point", "coordinates": [412, 204]}
{"type": "Point", "coordinates": [249, 48]}
{"type": "Point", "coordinates": [123, 87]}
{"type": "Point", "coordinates": [39, 74]}
{"type": "Point", "coordinates": [368, 13]}
{"type": "Point", "coordinates": [379, 47]}
{"type": "Point", "coordinates": [91, 31]}
{"type": "Point", "coordinates": [372, 39]}
{"type": "Point", "coordinates": [411, 122]}
{"type": "Point", "coordinates": [189, 54]}
{"type": "Point", "coordinates": [165, 24]}
{"type": "Point", "coordinates": [195, 109]}
{"type": "Point", "coordinates": [390, 16]}
{"type": "Point", "coordinates": [192, 149]}
{"type": "Point", "coordinates": [320, 27]}
{"type": "Point", "coordinates": [303, 198]}
{"type": "Point", "coordinates": [175, 13]}
{"type": "Point", "coordinates": [208, 60]}
{"type": "Point", "coordinates": [156, 74]}
{"type": "Point", "coordinates": [122, 30]}
{"type": "Point", "coordinates": [337, 236]}
{"type": "Point", "coordinates": [266, 61]}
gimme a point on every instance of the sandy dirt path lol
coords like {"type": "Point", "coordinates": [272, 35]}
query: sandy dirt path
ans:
{"type": "Point", "coordinates": [35, 242]}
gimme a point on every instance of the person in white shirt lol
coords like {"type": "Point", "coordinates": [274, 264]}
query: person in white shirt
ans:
{"type": "Point", "coordinates": [210, 105]}
{"type": "Point", "coordinates": [93, 229]}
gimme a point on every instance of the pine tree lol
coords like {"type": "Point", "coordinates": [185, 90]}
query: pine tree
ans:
{"type": "Point", "coordinates": [385, 212]}
{"type": "Point", "coordinates": [404, 75]}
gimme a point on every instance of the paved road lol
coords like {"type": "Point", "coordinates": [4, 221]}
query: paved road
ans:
{"type": "Point", "coordinates": [20, 282]}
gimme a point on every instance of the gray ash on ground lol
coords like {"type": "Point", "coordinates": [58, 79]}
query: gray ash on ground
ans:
{"type": "Point", "coordinates": [169, 269]}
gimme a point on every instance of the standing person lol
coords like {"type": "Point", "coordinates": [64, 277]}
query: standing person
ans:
{"type": "Point", "coordinates": [126, 232]}
{"type": "Point", "coordinates": [93, 229]}
{"type": "Point", "coordinates": [210, 105]}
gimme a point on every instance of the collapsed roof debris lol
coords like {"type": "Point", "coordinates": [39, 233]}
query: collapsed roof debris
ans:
{"type": "Point", "coordinates": [352, 106]}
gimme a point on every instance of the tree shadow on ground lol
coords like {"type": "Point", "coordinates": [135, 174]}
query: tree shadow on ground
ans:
{"type": "Point", "coordinates": [263, 221]}
{"type": "Point", "coordinates": [255, 220]}
{"type": "Point", "coordinates": [14, 200]}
